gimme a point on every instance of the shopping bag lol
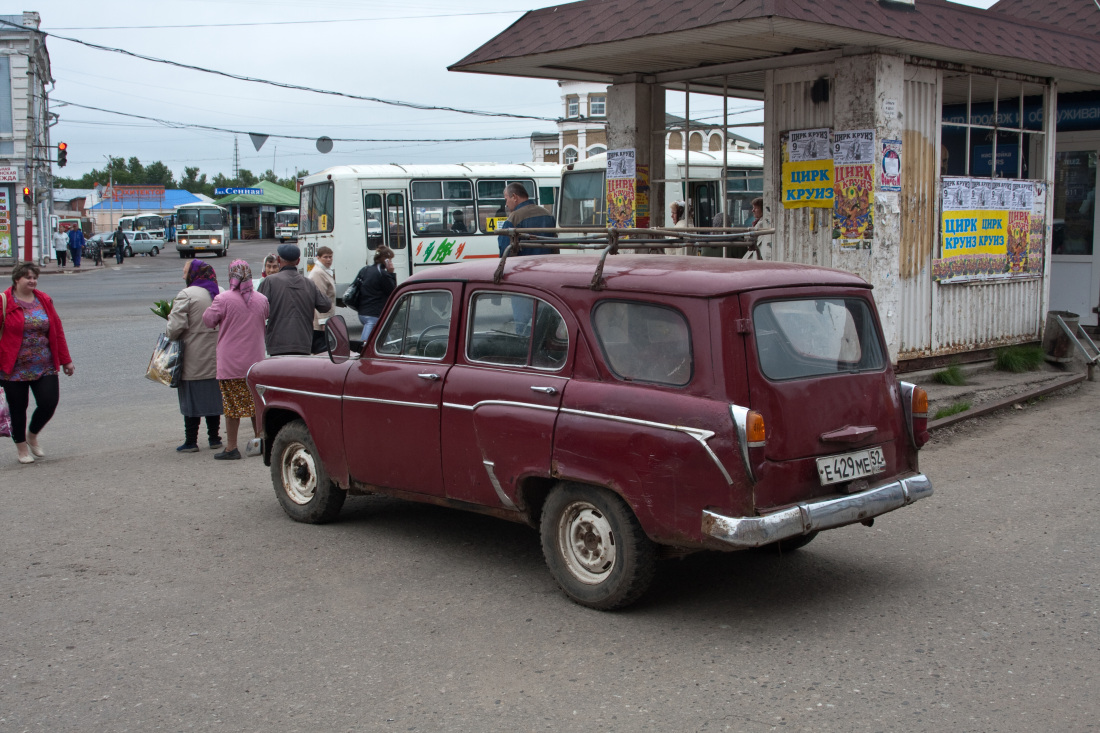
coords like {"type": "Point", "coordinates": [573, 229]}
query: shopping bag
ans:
{"type": "Point", "coordinates": [166, 363]}
{"type": "Point", "coordinates": [351, 295]}
{"type": "Point", "coordinates": [5, 416]}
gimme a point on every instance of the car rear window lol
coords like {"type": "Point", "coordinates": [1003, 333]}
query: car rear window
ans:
{"type": "Point", "coordinates": [644, 342]}
{"type": "Point", "coordinates": [816, 336]}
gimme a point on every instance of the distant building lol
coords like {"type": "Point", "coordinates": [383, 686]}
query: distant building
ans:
{"type": "Point", "coordinates": [25, 149]}
{"type": "Point", "coordinates": [582, 129]}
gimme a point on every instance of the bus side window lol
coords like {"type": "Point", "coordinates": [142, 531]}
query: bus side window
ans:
{"type": "Point", "coordinates": [373, 218]}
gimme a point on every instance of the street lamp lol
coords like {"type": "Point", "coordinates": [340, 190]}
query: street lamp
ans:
{"type": "Point", "coordinates": [111, 192]}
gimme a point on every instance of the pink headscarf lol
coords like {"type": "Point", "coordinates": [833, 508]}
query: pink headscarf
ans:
{"type": "Point", "coordinates": [240, 278]}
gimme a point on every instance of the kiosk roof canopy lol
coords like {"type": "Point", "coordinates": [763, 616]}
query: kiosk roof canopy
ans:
{"type": "Point", "coordinates": [706, 41]}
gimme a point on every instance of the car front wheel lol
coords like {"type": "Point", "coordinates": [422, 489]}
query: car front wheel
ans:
{"type": "Point", "coordinates": [595, 548]}
{"type": "Point", "coordinates": [301, 483]}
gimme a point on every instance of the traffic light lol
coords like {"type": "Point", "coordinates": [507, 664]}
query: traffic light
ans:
{"type": "Point", "coordinates": [27, 195]}
{"type": "Point", "coordinates": [62, 154]}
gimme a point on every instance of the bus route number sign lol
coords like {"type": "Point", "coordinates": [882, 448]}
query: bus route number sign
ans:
{"type": "Point", "coordinates": [493, 223]}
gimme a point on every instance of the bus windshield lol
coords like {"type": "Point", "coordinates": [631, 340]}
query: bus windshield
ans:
{"type": "Point", "coordinates": [286, 218]}
{"type": "Point", "coordinates": [148, 221]}
{"type": "Point", "coordinates": [200, 219]}
{"type": "Point", "coordinates": [582, 199]}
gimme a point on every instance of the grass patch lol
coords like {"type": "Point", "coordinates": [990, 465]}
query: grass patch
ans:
{"type": "Point", "coordinates": [1018, 358]}
{"type": "Point", "coordinates": [952, 376]}
{"type": "Point", "coordinates": [954, 409]}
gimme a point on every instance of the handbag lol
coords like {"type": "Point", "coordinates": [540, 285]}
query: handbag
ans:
{"type": "Point", "coordinates": [5, 416]}
{"type": "Point", "coordinates": [166, 363]}
{"type": "Point", "coordinates": [351, 295]}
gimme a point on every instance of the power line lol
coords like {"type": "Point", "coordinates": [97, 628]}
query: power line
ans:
{"type": "Point", "coordinates": [196, 126]}
{"type": "Point", "coordinates": [283, 22]}
{"type": "Point", "coordinates": [286, 85]}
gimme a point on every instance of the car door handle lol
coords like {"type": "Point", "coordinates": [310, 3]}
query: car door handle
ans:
{"type": "Point", "coordinates": [428, 375]}
{"type": "Point", "coordinates": [544, 390]}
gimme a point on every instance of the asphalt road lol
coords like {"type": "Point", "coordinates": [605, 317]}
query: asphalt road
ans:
{"type": "Point", "coordinates": [145, 590]}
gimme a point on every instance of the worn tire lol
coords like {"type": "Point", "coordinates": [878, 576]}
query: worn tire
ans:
{"type": "Point", "coordinates": [595, 548]}
{"type": "Point", "coordinates": [301, 483]}
{"type": "Point", "coordinates": [791, 543]}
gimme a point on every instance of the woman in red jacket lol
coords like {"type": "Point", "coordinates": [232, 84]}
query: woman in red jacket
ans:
{"type": "Point", "coordinates": [32, 351]}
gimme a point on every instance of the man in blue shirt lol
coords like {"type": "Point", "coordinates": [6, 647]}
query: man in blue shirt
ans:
{"type": "Point", "coordinates": [524, 214]}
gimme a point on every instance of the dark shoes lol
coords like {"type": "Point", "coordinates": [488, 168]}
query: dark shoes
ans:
{"type": "Point", "coordinates": [228, 455]}
{"type": "Point", "coordinates": [188, 448]}
{"type": "Point", "coordinates": [216, 443]}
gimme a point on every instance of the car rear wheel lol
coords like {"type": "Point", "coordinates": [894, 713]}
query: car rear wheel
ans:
{"type": "Point", "coordinates": [791, 543]}
{"type": "Point", "coordinates": [301, 483]}
{"type": "Point", "coordinates": [595, 548]}
{"type": "Point", "coordinates": [154, 251]}
{"type": "Point", "coordinates": [129, 251]}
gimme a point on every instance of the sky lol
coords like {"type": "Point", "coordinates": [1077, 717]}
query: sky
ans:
{"type": "Point", "coordinates": [389, 49]}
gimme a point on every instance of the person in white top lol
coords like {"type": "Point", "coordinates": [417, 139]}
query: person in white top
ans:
{"type": "Point", "coordinates": [60, 247]}
{"type": "Point", "coordinates": [325, 280]}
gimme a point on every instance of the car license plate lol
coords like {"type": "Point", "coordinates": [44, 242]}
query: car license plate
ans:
{"type": "Point", "coordinates": [850, 466]}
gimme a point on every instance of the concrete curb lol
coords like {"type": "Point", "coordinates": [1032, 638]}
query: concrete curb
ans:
{"type": "Point", "coordinates": [991, 407]}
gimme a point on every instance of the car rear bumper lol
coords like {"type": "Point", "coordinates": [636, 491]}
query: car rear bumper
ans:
{"type": "Point", "coordinates": [813, 516]}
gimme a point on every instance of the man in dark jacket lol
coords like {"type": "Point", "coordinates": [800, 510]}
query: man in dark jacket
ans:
{"type": "Point", "coordinates": [524, 214]}
{"type": "Point", "coordinates": [76, 245]}
{"type": "Point", "coordinates": [120, 244]}
{"type": "Point", "coordinates": [292, 299]}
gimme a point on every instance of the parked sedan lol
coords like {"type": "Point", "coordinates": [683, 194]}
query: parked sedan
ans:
{"type": "Point", "coordinates": [142, 243]}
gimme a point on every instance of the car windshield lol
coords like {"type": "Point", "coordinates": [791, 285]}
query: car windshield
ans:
{"type": "Point", "coordinates": [816, 336]}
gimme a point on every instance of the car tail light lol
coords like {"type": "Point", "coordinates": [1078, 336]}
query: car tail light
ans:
{"type": "Point", "coordinates": [751, 436]}
{"type": "Point", "coordinates": [915, 403]}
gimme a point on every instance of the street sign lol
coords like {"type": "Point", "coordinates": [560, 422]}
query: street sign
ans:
{"type": "Point", "coordinates": [238, 192]}
{"type": "Point", "coordinates": [9, 174]}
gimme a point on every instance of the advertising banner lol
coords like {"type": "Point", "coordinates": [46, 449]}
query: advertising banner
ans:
{"type": "Point", "coordinates": [890, 173]}
{"type": "Point", "coordinates": [987, 230]}
{"type": "Point", "coordinates": [621, 188]}
{"type": "Point", "coordinates": [807, 169]}
{"type": "Point", "coordinates": [7, 218]}
{"type": "Point", "coordinates": [854, 190]}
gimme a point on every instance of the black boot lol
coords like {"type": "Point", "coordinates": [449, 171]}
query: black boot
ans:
{"type": "Point", "coordinates": [190, 435]}
{"type": "Point", "coordinates": [213, 428]}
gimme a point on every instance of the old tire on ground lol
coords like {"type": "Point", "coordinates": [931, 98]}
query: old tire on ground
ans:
{"type": "Point", "coordinates": [595, 548]}
{"type": "Point", "coordinates": [791, 543]}
{"type": "Point", "coordinates": [304, 489]}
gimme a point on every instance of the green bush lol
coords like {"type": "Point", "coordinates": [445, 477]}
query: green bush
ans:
{"type": "Point", "coordinates": [1018, 358]}
{"type": "Point", "coordinates": [954, 409]}
{"type": "Point", "coordinates": [952, 376]}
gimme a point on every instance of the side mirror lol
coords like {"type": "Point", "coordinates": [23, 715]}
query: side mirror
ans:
{"type": "Point", "coordinates": [336, 336]}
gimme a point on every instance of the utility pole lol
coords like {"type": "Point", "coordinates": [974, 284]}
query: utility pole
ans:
{"type": "Point", "coordinates": [236, 160]}
{"type": "Point", "coordinates": [111, 191]}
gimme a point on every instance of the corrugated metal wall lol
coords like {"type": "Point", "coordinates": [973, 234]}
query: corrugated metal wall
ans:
{"type": "Point", "coordinates": [802, 235]}
{"type": "Point", "coordinates": [919, 196]}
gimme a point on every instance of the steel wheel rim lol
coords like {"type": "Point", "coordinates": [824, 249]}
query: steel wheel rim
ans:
{"type": "Point", "coordinates": [587, 543]}
{"type": "Point", "coordinates": [299, 473]}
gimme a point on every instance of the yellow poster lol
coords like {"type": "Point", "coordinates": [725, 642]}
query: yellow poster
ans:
{"type": "Point", "coordinates": [807, 169]}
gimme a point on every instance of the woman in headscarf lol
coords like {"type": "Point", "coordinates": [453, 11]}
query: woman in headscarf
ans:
{"type": "Point", "coordinates": [199, 394]}
{"type": "Point", "coordinates": [240, 315]}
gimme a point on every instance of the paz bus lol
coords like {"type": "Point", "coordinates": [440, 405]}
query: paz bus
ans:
{"type": "Point", "coordinates": [202, 228]}
{"type": "Point", "coordinates": [429, 215]}
{"type": "Point", "coordinates": [151, 223]}
{"type": "Point", "coordinates": [286, 225]}
{"type": "Point", "coordinates": [697, 180]}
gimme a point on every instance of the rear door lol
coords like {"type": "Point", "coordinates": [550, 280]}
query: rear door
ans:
{"type": "Point", "coordinates": [820, 375]}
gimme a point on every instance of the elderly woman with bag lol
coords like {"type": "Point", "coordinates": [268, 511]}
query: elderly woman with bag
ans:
{"type": "Point", "coordinates": [199, 395]}
{"type": "Point", "coordinates": [32, 351]}
{"type": "Point", "coordinates": [241, 318]}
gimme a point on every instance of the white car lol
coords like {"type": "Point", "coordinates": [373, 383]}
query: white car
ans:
{"type": "Point", "coordinates": [142, 243]}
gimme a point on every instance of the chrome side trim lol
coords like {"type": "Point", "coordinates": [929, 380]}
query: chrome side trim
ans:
{"type": "Point", "coordinates": [530, 405]}
{"type": "Point", "coordinates": [743, 532]}
{"type": "Point", "coordinates": [264, 387]}
{"type": "Point", "coordinates": [740, 417]}
{"type": "Point", "coordinates": [489, 466]}
{"type": "Point", "coordinates": [377, 401]}
{"type": "Point", "coordinates": [702, 436]}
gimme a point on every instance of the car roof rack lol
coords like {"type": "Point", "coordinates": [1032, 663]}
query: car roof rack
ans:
{"type": "Point", "coordinates": [611, 241]}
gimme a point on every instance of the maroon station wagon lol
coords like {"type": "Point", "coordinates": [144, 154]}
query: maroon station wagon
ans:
{"type": "Point", "coordinates": [685, 403]}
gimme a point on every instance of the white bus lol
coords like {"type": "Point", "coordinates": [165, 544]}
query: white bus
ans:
{"type": "Point", "coordinates": [286, 225]}
{"type": "Point", "coordinates": [584, 188]}
{"type": "Point", "coordinates": [202, 228]}
{"type": "Point", "coordinates": [428, 214]}
{"type": "Point", "coordinates": [151, 223]}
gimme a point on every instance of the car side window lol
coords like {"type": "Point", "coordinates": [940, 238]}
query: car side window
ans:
{"type": "Point", "coordinates": [516, 330]}
{"type": "Point", "coordinates": [418, 326]}
{"type": "Point", "coordinates": [644, 342]}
